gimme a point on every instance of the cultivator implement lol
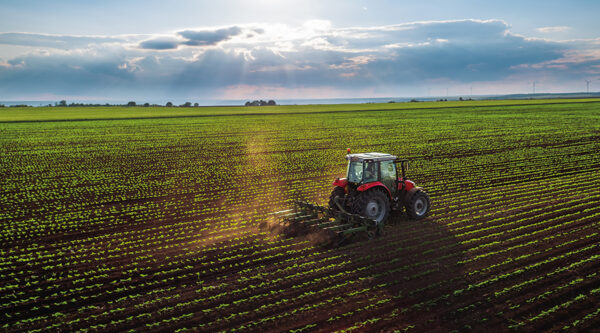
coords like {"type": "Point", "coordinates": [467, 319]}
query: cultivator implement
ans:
{"type": "Point", "coordinates": [334, 226]}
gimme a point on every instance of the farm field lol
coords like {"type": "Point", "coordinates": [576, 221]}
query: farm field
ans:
{"type": "Point", "coordinates": [150, 219]}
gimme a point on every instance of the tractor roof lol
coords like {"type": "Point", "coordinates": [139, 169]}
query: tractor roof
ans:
{"type": "Point", "coordinates": [370, 156]}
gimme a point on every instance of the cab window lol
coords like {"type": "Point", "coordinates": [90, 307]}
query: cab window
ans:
{"type": "Point", "coordinates": [388, 171]}
{"type": "Point", "coordinates": [371, 173]}
{"type": "Point", "coordinates": [355, 172]}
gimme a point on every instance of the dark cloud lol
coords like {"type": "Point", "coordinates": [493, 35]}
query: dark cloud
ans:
{"type": "Point", "coordinates": [208, 37]}
{"type": "Point", "coordinates": [159, 44]}
{"type": "Point", "coordinates": [197, 38]}
{"type": "Point", "coordinates": [490, 59]}
{"type": "Point", "coordinates": [65, 74]}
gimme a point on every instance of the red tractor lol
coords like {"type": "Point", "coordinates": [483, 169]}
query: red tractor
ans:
{"type": "Point", "coordinates": [359, 203]}
{"type": "Point", "coordinates": [374, 186]}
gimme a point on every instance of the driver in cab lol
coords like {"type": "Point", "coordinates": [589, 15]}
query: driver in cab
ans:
{"type": "Point", "coordinates": [370, 172]}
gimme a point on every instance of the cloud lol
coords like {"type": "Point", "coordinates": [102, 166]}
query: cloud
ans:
{"type": "Point", "coordinates": [208, 37]}
{"type": "Point", "coordinates": [160, 44]}
{"type": "Point", "coordinates": [205, 37]}
{"type": "Point", "coordinates": [553, 29]}
{"type": "Point", "coordinates": [402, 59]}
{"type": "Point", "coordinates": [54, 41]}
{"type": "Point", "coordinates": [61, 74]}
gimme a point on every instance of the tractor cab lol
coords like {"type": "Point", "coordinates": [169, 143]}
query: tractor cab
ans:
{"type": "Point", "coordinates": [365, 168]}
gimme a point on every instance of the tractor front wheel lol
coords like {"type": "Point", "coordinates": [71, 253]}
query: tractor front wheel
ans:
{"type": "Point", "coordinates": [418, 205]}
{"type": "Point", "coordinates": [373, 204]}
{"type": "Point", "coordinates": [337, 192]}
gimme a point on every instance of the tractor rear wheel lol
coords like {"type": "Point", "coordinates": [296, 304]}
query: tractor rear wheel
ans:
{"type": "Point", "coordinates": [337, 192]}
{"type": "Point", "coordinates": [418, 205]}
{"type": "Point", "coordinates": [373, 204]}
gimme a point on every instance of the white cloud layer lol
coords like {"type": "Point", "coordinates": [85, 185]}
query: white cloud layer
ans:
{"type": "Point", "coordinates": [55, 41]}
{"type": "Point", "coordinates": [553, 29]}
{"type": "Point", "coordinates": [227, 62]}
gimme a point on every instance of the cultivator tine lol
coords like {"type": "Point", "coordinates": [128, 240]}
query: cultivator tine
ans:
{"type": "Point", "coordinates": [337, 228]}
{"type": "Point", "coordinates": [317, 222]}
{"type": "Point", "coordinates": [352, 231]}
{"type": "Point", "coordinates": [300, 218]}
{"type": "Point", "coordinates": [282, 212]}
{"type": "Point", "coordinates": [290, 215]}
{"type": "Point", "coordinates": [328, 223]}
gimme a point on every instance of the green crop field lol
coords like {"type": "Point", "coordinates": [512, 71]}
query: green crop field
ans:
{"type": "Point", "coordinates": [152, 219]}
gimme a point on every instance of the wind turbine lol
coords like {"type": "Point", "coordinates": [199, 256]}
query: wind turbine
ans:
{"type": "Point", "coordinates": [587, 84]}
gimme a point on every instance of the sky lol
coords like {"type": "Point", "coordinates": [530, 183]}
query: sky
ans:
{"type": "Point", "coordinates": [84, 50]}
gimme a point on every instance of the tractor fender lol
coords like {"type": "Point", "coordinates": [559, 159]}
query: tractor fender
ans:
{"type": "Point", "coordinates": [368, 186]}
{"type": "Point", "coordinates": [409, 185]}
{"type": "Point", "coordinates": [340, 182]}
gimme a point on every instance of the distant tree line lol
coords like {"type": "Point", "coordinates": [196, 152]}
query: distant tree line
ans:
{"type": "Point", "coordinates": [15, 106]}
{"type": "Point", "coordinates": [260, 103]}
{"type": "Point", "coordinates": [169, 104]}
{"type": "Point", "coordinates": [460, 99]}
{"type": "Point", "coordinates": [63, 103]}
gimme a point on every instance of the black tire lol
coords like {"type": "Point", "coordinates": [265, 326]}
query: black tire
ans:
{"type": "Point", "coordinates": [337, 192]}
{"type": "Point", "coordinates": [418, 205]}
{"type": "Point", "coordinates": [374, 204]}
